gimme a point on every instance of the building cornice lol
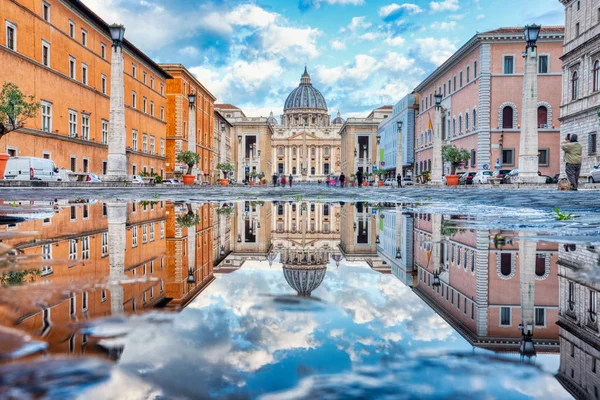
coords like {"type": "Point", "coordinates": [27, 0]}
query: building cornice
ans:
{"type": "Point", "coordinates": [181, 68]}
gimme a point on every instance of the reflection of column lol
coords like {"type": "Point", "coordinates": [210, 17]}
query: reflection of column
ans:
{"type": "Point", "coordinates": [527, 258]}
{"type": "Point", "coordinates": [436, 239]}
{"type": "Point", "coordinates": [117, 218]}
{"type": "Point", "coordinates": [191, 244]}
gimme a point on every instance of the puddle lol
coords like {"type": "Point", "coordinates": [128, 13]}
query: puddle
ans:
{"type": "Point", "coordinates": [293, 299]}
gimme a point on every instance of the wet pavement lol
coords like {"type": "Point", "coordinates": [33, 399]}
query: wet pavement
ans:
{"type": "Point", "coordinates": [299, 293]}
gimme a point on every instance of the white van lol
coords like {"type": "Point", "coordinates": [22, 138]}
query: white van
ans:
{"type": "Point", "coordinates": [31, 169]}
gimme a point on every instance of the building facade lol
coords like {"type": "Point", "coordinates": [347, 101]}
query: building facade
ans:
{"type": "Point", "coordinates": [398, 147]}
{"type": "Point", "coordinates": [60, 52]}
{"type": "Point", "coordinates": [581, 78]}
{"type": "Point", "coordinates": [190, 125]}
{"type": "Point", "coordinates": [222, 142]}
{"type": "Point", "coordinates": [482, 91]}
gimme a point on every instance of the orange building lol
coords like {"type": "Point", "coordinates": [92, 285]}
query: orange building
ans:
{"type": "Point", "coordinates": [189, 125]}
{"type": "Point", "coordinates": [60, 52]}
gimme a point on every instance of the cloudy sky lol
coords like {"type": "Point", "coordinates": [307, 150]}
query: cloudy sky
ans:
{"type": "Point", "coordinates": [360, 53]}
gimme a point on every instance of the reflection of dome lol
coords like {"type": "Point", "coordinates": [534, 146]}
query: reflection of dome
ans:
{"type": "Point", "coordinates": [304, 270]}
{"type": "Point", "coordinates": [338, 120]}
{"type": "Point", "coordinates": [305, 96]}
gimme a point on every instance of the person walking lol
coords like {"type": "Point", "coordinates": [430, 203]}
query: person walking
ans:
{"type": "Point", "coordinates": [291, 179]}
{"type": "Point", "coordinates": [572, 151]}
{"type": "Point", "coordinates": [274, 179]}
{"type": "Point", "coordinates": [399, 180]}
{"type": "Point", "coordinates": [359, 178]}
{"type": "Point", "coordinates": [342, 179]}
{"type": "Point", "coordinates": [282, 181]}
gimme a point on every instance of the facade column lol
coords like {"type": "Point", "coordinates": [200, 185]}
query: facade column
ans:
{"type": "Point", "coordinates": [117, 136]}
{"type": "Point", "coordinates": [240, 166]}
{"type": "Point", "coordinates": [528, 149]}
{"type": "Point", "coordinates": [117, 219]}
{"type": "Point", "coordinates": [437, 165]}
{"type": "Point", "coordinates": [527, 260]}
{"type": "Point", "coordinates": [275, 163]}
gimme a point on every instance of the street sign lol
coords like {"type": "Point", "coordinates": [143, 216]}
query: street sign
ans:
{"type": "Point", "coordinates": [486, 166]}
{"type": "Point", "coordinates": [382, 163]}
{"type": "Point", "coordinates": [374, 168]}
{"type": "Point", "coordinates": [247, 169]}
{"type": "Point", "coordinates": [374, 211]}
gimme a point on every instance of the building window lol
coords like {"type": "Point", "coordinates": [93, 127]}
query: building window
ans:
{"type": "Point", "coordinates": [72, 246]}
{"type": "Point", "coordinates": [507, 117]}
{"type": "Point", "coordinates": [134, 238]}
{"type": "Point", "coordinates": [134, 139]}
{"type": "Point", "coordinates": [73, 169]}
{"type": "Point", "coordinates": [72, 29]}
{"type": "Point", "coordinates": [468, 74]}
{"type": "Point", "coordinates": [454, 83]}
{"type": "Point", "coordinates": [543, 117]}
{"type": "Point", "coordinates": [543, 64]}
{"type": "Point", "coordinates": [473, 158]}
{"type": "Point", "coordinates": [45, 53]}
{"type": "Point", "coordinates": [505, 316]}
{"type": "Point", "coordinates": [46, 11]}
{"type": "Point", "coordinates": [103, 83]}
{"type": "Point", "coordinates": [145, 143]}
{"type": "Point", "coordinates": [133, 99]}
{"type": "Point", "coordinates": [145, 105]}
{"type": "Point", "coordinates": [84, 37]}
{"type": "Point", "coordinates": [592, 143]}
{"type": "Point", "coordinates": [593, 305]}
{"type": "Point", "coordinates": [11, 36]}
{"type": "Point", "coordinates": [474, 119]}
{"type": "Point", "coordinates": [46, 116]}
{"type": "Point", "coordinates": [467, 121]}
{"type": "Point", "coordinates": [444, 90]}
{"type": "Point", "coordinates": [72, 67]}
{"type": "Point", "coordinates": [103, 50]}
{"type": "Point", "coordinates": [509, 65]}
{"type": "Point", "coordinates": [540, 317]}
{"type": "Point", "coordinates": [574, 85]}
{"type": "Point", "coordinates": [162, 89]}
{"type": "Point", "coordinates": [85, 127]}
{"type": "Point", "coordinates": [151, 144]}
{"type": "Point", "coordinates": [474, 69]}
{"type": "Point", "coordinates": [85, 168]}
{"type": "Point", "coordinates": [162, 147]}
{"type": "Point", "coordinates": [144, 75]}
{"type": "Point", "coordinates": [596, 75]}
{"type": "Point", "coordinates": [72, 123]}
{"type": "Point", "coordinates": [312, 170]}
{"type": "Point", "coordinates": [571, 297]}
{"type": "Point", "coordinates": [461, 79]}
{"type": "Point", "coordinates": [134, 70]}
{"type": "Point", "coordinates": [104, 167]}
{"type": "Point", "coordinates": [460, 126]}
{"type": "Point", "coordinates": [544, 157]}
{"type": "Point", "coordinates": [162, 113]}
{"type": "Point", "coordinates": [508, 157]}
{"type": "Point", "coordinates": [151, 234]}
{"type": "Point", "coordinates": [577, 29]}
{"type": "Point", "coordinates": [84, 74]}
{"type": "Point", "coordinates": [85, 248]}
{"type": "Point", "coordinates": [152, 108]}
{"type": "Point", "coordinates": [152, 82]}
{"type": "Point", "coordinates": [144, 233]}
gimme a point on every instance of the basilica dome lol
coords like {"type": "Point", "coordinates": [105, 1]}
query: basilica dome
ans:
{"type": "Point", "coordinates": [305, 96]}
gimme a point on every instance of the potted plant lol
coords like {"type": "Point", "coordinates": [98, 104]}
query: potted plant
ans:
{"type": "Point", "coordinates": [15, 109]}
{"type": "Point", "coordinates": [380, 174]}
{"type": "Point", "coordinates": [253, 176]}
{"type": "Point", "coordinates": [454, 156]}
{"type": "Point", "coordinates": [425, 176]}
{"type": "Point", "coordinates": [189, 219]}
{"type": "Point", "coordinates": [225, 168]}
{"type": "Point", "coordinates": [190, 159]}
{"type": "Point", "coordinates": [261, 176]}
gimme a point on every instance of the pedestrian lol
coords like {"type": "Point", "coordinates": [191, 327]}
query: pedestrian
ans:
{"type": "Point", "coordinates": [274, 179]}
{"type": "Point", "coordinates": [327, 180]}
{"type": "Point", "coordinates": [342, 179]}
{"type": "Point", "coordinates": [359, 178]}
{"type": "Point", "coordinates": [291, 179]}
{"type": "Point", "coordinates": [283, 181]}
{"type": "Point", "coordinates": [399, 179]}
{"type": "Point", "coordinates": [572, 160]}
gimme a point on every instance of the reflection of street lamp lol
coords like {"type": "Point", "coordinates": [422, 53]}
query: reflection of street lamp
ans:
{"type": "Point", "coordinates": [378, 139]}
{"type": "Point", "coordinates": [239, 238]}
{"type": "Point", "coordinates": [191, 99]}
{"type": "Point", "coordinates": [377, 239]}
{"type": "Point", "coordinates": [355, 152]}
{"type": "Point", "coordinates": [222, 250]}
{"type": "Point", "coordinates": [398, 253]}
{"type": "Point", "coordinates": [240, 139]}
{"type": "Point", "coordinates": [191, 278]}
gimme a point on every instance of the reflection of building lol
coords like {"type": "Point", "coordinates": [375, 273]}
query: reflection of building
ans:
{"type": "Point", "coordinates": [578, 321]}
{"type": "Point", "coordinates": [304, 268]}
{"type": "Point", "coordinates": [86, 262]}
{"type": "Point", "coordinates": [395, 247]}
{"type": "Point", "coordinates": [477, 286]}
{"type": "Point", "coordinates": [359, 234]}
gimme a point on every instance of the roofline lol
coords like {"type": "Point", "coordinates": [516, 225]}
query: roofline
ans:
{"type": "Point", "coordinates": [181, 67]}
{"type": "Point", "coordinates": [470, 45]}
{"type": "Point", "coordinates": [223, 117]}
{"type": "Point", "coordinates": [79, 6]}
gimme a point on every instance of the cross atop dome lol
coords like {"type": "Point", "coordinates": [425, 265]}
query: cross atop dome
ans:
{"type": "Point", "coordinates": [305, 77]}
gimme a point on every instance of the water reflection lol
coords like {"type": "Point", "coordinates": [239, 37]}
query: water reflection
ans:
{"type": "Point", "coordinates": [261, 288]}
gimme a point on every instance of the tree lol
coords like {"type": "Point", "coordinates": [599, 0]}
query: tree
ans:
{"type": "Point", "coordinates": [15, 108]}
{"type": "Point", "coordinates": [225, 168]}
{"type": "Point", "coordinates": [188, 219]}
{"type": "Point", "coordinates": [188, 158]}
{"type": "Point", "coordinates": [454, 155]}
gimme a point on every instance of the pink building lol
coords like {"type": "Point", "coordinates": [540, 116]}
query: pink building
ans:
{"type": "Point", "coordinates": [482, 89]}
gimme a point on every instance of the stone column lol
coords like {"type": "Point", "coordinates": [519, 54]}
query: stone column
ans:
{"type": "Point", "coordinates": [436, 243]}
{"type": "Point", "coordinates": [527, 259]}
{"type": "Point", "coordinates": [191, 248]}
{"type": "Point", "coordinates": [399, 159]}
{"type": "Point", "coordinates": [437, 165]}
{"type": "Point", "coordinates": [117, 157]}
{"type": "Point", "coordinates": [192, 134]}
{"type": "Point", "coordinates": [240, 167]}
{"type": "Point", "coordinates": [528, 149]}
{"type": "Point", "coordinates": [117, 219]}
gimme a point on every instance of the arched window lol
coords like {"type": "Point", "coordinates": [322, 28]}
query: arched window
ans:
{"type": "Point", "coordinates": [453, 126]}
{"type": "Point", "coordinates": [474, 119]}
{"type": "Point", "coordinates": [540, 265]}
{"type": "Point", "coordinates": [596, 75]}
{"type": "Point", "coordinates": [542, 117]}
{"type": "Point", "coordinates": [574, 85]}
{"type": "Point", "coordinates": [312, 151]}
{"type": "Point", "coordinates": [312, 170]}
{"type": "Point", "coordinates": [467, 120]}
{"type": "Point", "coordinates": [281, 151]}
{"type": "Point", "coordinates": [507, 117]}
{"type": "Point", "coordinates": [326, 151]}
{"type": "Point", "coordinates": [294, 151]}
{"type": "Point", "coordinates": [429, 164]}
{"type": "Point", "coordinates": [460, 126]}
{"type": "Point", "coordinates": [505, 264]}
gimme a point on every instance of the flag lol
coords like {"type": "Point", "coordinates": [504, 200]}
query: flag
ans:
{"type": "Point", "coordinates": [429, 124]}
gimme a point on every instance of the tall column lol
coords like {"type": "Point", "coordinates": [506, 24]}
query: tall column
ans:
{"type": "Point", "coordinates": [436, 244]}
{"type": "Point", "coordinates": [527, 259]}
{"type": "Point", "coordinates": [436, 158]}
{"type": "Point", "coordinates": [240, 167]}
{"type": "Point", "coordinates": [117, 218]}
{"type": "Point", "coordinates": [191, 244]}
{"type": "Point", "coordinates": [117, 157]}
{"type": "Point", "coordinates": [399, 157]}
{"type": "Point", "coordinates": [192, 133]}
{"type": "Point", "coordinates": [528, 149]}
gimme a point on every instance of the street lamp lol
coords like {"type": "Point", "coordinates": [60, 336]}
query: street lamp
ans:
{"type": "Point", "coordinates": [239, 239]}
{"type": "Point", "coordinates": [191, 99]}
{"type": "Point", "coordinates": [355, 152]}
{"type": "Point", "coordinates": [378, 139]}
{"type": "Point", "coordinates": [531, 35]}
{"type": "Point", "coordinates": [117, 32]}
{"type": "Point", "coordinates": [399, 123]}
{"type": "Point", "coordinates": [191, 278]}
{"type": "Point", "coordinates": [398, 253]}
{"type": "Point", "coordinates": [240, 139]}
{"type": "Point", "coordinates": [438, 99]}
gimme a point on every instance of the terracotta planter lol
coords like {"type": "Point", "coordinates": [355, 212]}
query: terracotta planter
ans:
{"type": "Point", "coordinates": [452, 180]}
{"type": "Point", "coordinates": [365, 183]}
{"type": "Point", "coordinates": [380, 183]}
{"type": "Point", "coordinates": [188, 179]}
{"type": "Point", "coordinates": [3, 160]}
{"type": "Point", "coordinates": [224, 182]}
{"type": "Point", "coordinates": [251, 183]}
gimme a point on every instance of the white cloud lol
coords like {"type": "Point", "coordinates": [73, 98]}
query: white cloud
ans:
{"type": "Point", "coordinates": [396, 62]}
{"type": "Point", "coordinates": [395, 41]}
{"type": "Point", "coordinates": [480, 17]}
{"type": "Point", "coordinates": [370, 36]}
{"type": "Point", "coordinates": [445, 5]}
{"type": "Point", "coordinates": [338, 45]}
{"type": "Point", "coordinates": [189, 51]}
{"type": "Point", "coordinates": [250, 15]}
{"type": "Point", "coordinates": [435, 50]}
{"type": "Point", "coordinates": [444, 26]}
{"type": "Point", "coordinates": [409, 8]}
{"type": "Point", "coordinates": [317, 3]}
{"type": "Point", "coordinates": [358, 23]}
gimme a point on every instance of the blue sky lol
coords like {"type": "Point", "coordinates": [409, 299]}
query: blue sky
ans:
{"type": "Point", "coordinates": [360, 53]}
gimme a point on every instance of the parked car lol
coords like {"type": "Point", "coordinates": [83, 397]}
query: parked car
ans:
{"type": "Point", "coordinates": [93, 178]}
{"type": "Point", "coordinates": [482, 176]}
{"type": "Point", "coordinates": [137, 179]}
{"type": "Point", "coordinates": [466, 178]}
{"type": "Point", "coordinates": [31, 169]}
{"type": "Point", "coordinates": [389, 182]}
{"type": "Point", "coordinates": [501, 173]}
{"type": "Point", "coordinates": [171, 181]}
{"type": "Point", "coordinates": [594, 175]}
{"type": "Point", "coordinates": [407, 180]}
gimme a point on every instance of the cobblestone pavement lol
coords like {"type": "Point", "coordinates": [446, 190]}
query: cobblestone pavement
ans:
{"type": "Point", "coordinates": [588, 201]}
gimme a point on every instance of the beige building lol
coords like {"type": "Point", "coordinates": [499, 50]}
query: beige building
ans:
{"type": "Point", "coordinates": [222, 143]}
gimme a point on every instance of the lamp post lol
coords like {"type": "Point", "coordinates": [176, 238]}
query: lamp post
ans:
{"type": "Point", "coordinates": [117, 156]}
{"type": "Point", "coordinates": [436, 158]}
{"type": "Point", "coordinates": [399, 160]}
{"type": "Point", "coordinates": [240, 159]}
{"type": "Point", "coordinates": [192, 124]}
{"type": "Point", "coordinates": [528, 149]}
